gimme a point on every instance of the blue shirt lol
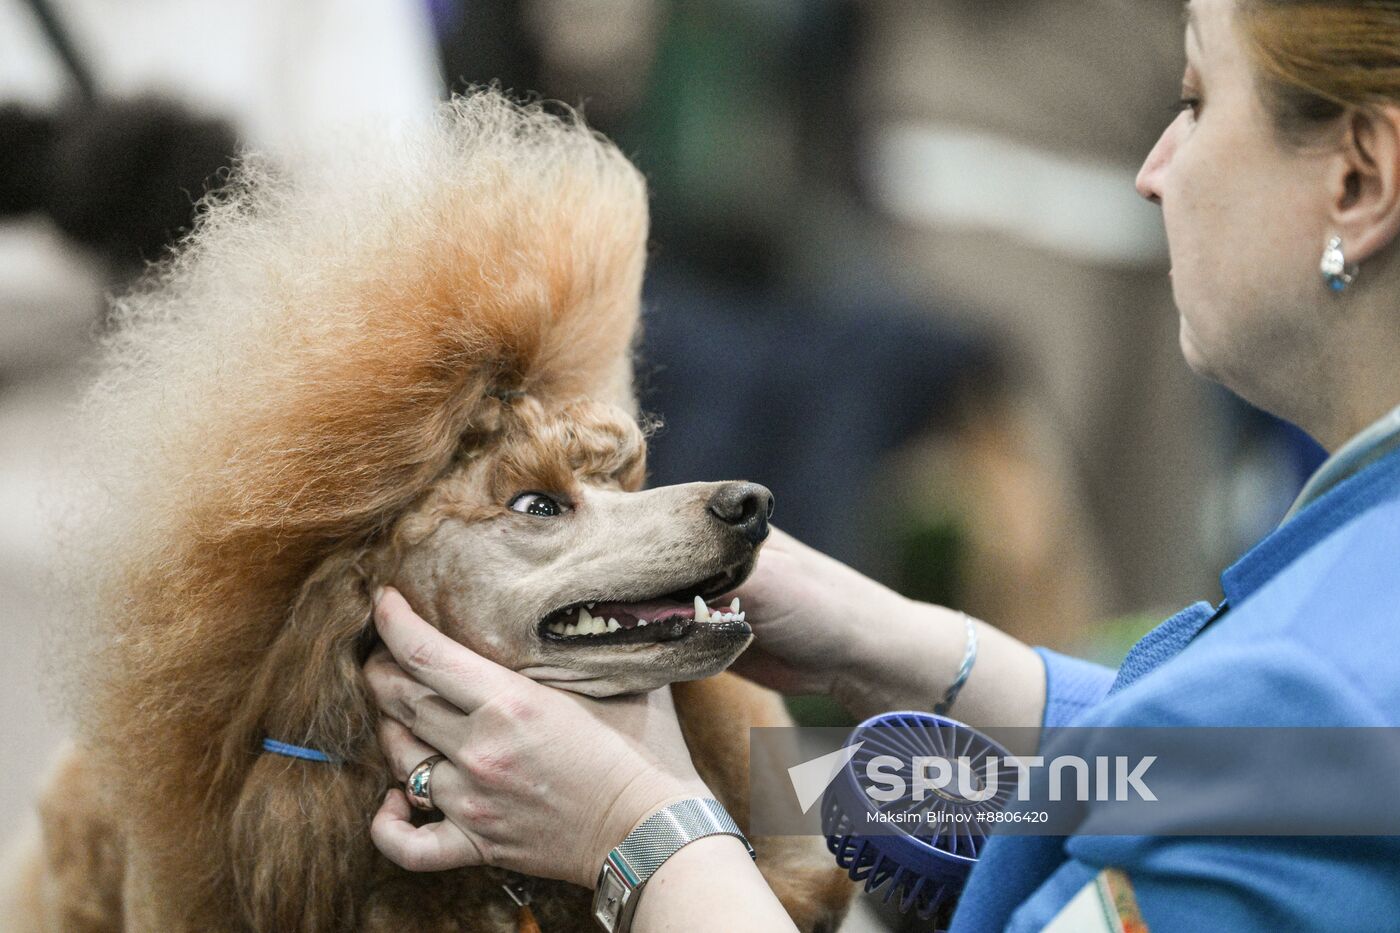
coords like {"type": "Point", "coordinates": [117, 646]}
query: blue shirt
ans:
{"type": "Point", "coordinates": [1308, 635]}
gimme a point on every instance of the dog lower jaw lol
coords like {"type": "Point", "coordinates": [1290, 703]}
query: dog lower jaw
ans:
{"type": "Point", "coordinates": [598, 687]}
{"type": "Point", "coordinates": [638, 671]}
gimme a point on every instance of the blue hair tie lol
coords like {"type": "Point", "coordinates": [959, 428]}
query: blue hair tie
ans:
{"type": "Point", "coordinates": [297, 751]}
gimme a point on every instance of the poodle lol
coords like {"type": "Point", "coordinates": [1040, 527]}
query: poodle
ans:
{"type": "Point", "coordinates": [406, 361]}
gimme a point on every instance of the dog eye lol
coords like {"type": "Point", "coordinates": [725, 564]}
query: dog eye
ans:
{"type": "Point", "coordinates": [536, 503]}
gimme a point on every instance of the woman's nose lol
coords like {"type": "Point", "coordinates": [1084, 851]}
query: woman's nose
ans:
{"type": "Point", "coordinates": [1149, 177]}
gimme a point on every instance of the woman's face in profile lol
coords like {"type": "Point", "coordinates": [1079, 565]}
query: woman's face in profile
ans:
{"type": "Point", "coordinates": [1246, 217]}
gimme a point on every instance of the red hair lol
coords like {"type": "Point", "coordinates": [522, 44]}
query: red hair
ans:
{"type": "Point", "coordinates": [1316, 58]}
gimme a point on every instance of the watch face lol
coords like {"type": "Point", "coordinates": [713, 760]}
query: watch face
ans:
{"type": "Point", "coordinates": [607, 903]}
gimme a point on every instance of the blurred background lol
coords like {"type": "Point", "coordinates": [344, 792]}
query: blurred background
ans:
{"type": "Point", "coordinates": [903, 231]}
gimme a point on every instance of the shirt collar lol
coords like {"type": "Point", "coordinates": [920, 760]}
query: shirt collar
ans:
{"type": "Point", "coordinates": [1373, 443]}
{"type": "Point", "coordinates": [1363, 472]}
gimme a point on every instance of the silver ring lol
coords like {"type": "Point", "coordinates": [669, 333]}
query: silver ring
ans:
{"type": "Point", "coordinates": [419, 786]}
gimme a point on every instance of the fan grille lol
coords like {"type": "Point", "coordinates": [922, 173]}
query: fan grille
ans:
{"type": "Point", "coordinates": [916, 850]}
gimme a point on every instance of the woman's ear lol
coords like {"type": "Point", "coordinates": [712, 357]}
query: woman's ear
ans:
{"type": "Point", "coordinates": [1366, 199]}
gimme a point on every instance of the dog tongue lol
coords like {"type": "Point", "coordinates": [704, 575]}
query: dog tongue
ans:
{"type": "Point", "coordinates": [627, 614]}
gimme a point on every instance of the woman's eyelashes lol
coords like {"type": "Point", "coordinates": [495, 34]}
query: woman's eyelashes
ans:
{"type": "Point", "coordinates": [1188, 103]}
{"type": "Point", "coordinates": [1190, 93]}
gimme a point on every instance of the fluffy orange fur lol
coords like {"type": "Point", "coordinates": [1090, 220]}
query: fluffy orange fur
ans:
{"type": "Point", "coordinates": [318, 352]}
{"type": "Point", "coordinates": [323, 348]}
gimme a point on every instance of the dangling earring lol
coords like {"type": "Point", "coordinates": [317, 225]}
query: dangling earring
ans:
{"type": "Point", "coordinates": [1335, 271]}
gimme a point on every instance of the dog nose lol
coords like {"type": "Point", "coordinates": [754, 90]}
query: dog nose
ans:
{"type": "Point", "coordinates": [746, 506]}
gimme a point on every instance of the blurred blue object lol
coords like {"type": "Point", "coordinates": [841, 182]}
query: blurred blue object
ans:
{"type": "Point", "coordinates": [807, 399]}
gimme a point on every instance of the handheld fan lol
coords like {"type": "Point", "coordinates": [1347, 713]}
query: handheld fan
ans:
{"type": "Point", "coordinates": [921, 842]}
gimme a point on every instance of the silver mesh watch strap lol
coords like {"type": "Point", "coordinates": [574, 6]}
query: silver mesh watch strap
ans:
{"type": "Point", "coordinates": [658, 837]}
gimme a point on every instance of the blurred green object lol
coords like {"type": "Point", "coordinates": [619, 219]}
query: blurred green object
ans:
{"type": "Point", "coordinates": [928, 562]}
{"type": "Point", "coordinates": [817, 710]}
{"type": "Point", "coordinates": [1108, 641]}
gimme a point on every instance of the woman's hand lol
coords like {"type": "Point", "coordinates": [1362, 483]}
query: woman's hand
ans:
{"type": "Point", "coordinates": [821, 627]}
{"type": "Point", "coordinates": [536, 779]}
{"type": "Point", "coordinates": [812, 618]}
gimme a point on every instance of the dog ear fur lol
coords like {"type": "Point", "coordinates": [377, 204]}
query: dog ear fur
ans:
{"type": "Point", "coordinates": [299, 828]}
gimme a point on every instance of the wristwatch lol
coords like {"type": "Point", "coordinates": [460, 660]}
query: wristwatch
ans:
{"type": "Point", "coordinates": [627, 868]}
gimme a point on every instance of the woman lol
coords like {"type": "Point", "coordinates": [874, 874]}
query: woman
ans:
{"type": "Point", "coordinates": [1279, 183]}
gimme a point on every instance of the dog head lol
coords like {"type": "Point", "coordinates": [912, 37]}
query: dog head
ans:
{"type": "Point", "coordinates": [539, 552]}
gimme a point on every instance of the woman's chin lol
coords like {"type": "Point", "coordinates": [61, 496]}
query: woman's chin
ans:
{"type": "Point", "coordinates": [1191, 352]}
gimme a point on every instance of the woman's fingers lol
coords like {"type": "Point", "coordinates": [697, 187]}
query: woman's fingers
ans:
{"type": "Point", "coordinates": [430, 847]}
{"type": "Point", "coordinates": [402, 748]}
{"type": "Point", "coordinates": [522, 761]}
{"type": "Point", "coordinates": [463, 677]}
{"type": "Point", "coordinates": [427, 715]}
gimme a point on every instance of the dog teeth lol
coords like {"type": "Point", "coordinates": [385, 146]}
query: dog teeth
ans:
{"type": "Point", "coordinates": [726, 617]}
{"type": "Point", "coordinates": [589, 624]}
{"type": "Point", "coordinates": [703, 613]}
{"type": "Point", "coordinates": [586, 625]}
